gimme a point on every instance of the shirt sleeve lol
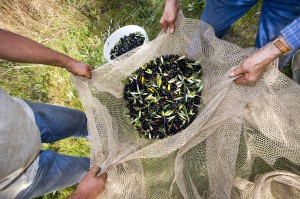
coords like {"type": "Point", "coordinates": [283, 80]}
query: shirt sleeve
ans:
{"type": "Point", "coordinates": [291, 33]}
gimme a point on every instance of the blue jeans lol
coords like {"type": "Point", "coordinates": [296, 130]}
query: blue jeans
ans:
{"type": "Point", "coordinates": [57, 171]}
{"type": "Point", "coordinates": [275, 15]}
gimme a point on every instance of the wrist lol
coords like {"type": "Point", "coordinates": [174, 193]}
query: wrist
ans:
{"type": "Point", "coordinates": [271, 51]}
{"type": "Point", "coordinates": [281, 44]}
{"type": "Point", "coordinates": [64, 61]}
{"type": "Point", "coordinates": [173, 2]}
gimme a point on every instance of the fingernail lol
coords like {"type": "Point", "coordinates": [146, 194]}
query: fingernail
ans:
{"type": "Point", "coordinates": [231, 74]}
{"type": "Point", "coordinates": [171, 31]}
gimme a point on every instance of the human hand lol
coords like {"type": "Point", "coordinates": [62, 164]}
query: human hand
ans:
{"type": "Point", "coordinates": [91, 186]}
{"type": "Point", "coordinates": [169, 15]}
{"type": "Point", "coordinates": [253, 67]}
{"type": "Point", "coordinates": [80, 69]}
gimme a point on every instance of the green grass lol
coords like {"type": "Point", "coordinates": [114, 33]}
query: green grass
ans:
{"type": "Point", "coordinates": [83, 39]}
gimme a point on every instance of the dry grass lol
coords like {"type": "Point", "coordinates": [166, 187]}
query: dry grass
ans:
{"type": "Point", "coordinates": [41, 20]}
{"type": "Point", "coordinates": [45, 21]}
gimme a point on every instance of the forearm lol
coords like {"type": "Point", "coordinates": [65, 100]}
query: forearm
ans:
{"type": "Point", "coordinates": [14, 47]}
{"type": "Point", "coordinates": [173, 1]}
{"type": "Point", "coordinates": [265, 55]}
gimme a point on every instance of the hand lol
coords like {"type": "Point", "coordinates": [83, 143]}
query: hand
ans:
{"type": "Point", "coordinates": [91, 186]}
{"type": "Point", "coordinates": [169, 16]}
{"type": "Point", "coordinates": [80, 69]}
{"type": "Point", "coordinates": [253, 67]}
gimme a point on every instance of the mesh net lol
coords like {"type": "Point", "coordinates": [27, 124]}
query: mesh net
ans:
{"type": "Point", "coordinates": [244, 142]}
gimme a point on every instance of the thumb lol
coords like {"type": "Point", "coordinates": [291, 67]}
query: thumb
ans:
{"type": "Point", "coordinates": [88, 74]}
{"type": "Point", "coordinates": [94, 171]}
{"type": "Point", "coordinates": [236, 72]}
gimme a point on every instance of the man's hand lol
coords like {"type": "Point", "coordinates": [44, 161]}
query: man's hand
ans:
{"type": "Point", "coordinates": [91, 186]}
{"type": "Point", "coordinates": [18, 48]}
{"type": "Point", "coordinates": [169, 16]}
{"type": "Point", "coordinates": [253, 67]}
{"type": "Point", "coordinates": [80, 69]}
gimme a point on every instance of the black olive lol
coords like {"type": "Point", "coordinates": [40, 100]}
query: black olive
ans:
{"type": "Point", "coordinates": [171, 109]}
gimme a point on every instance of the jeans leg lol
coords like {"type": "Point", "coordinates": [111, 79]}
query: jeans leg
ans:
{"type": "Point", "coordinates": [275, 16]}
{"type": "Point", "coordinates": [296, 66]}
{"type": "Point", "coordinates": [55, 172]}
{"type": "Point", "coordinates": [221, 14]}
{"type": "Point", "coordinates": [56, 122]}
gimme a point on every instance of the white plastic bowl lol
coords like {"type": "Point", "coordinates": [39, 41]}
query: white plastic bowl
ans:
{"type": "Point", "coordinates": [118, 34]}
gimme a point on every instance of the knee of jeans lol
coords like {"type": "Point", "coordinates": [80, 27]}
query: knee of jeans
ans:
{"type": "Point", "coordinates": [48, 157]}
{"type": "Point", "coordinates": [84, 131]}
{"type": "Point", "coordinates": [79, 116]}
{"type": "Point", "coordinates": [78, 124]}
{"type": "Point", "coordinates": [45, 156]}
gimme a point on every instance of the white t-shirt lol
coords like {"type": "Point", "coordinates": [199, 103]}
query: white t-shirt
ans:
{"type": "Point", "coordinates": [20, 143]}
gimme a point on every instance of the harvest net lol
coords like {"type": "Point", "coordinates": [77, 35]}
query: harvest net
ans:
{"type": "Point", "coordinates": [244, 142]}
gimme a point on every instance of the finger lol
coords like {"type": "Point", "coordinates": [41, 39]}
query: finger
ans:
{"type": "Point", "coordinates": [103, 176]}
{"type": "Point", "coordinates": [171, 27]}
{"type": "Point", "coordinates": [241, 80]}
{"type": "Point", "coordinates": [236, 72]}
{"type": "Point", "coordinates": [164, 25]}
{"type": "Point", "coordinates": [94, 171]}
{"type": "Point", "coordinates": [102, 180]}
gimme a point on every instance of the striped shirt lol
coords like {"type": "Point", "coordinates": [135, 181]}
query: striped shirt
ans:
{"type": "Point", "coordinates": [291, 33]}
